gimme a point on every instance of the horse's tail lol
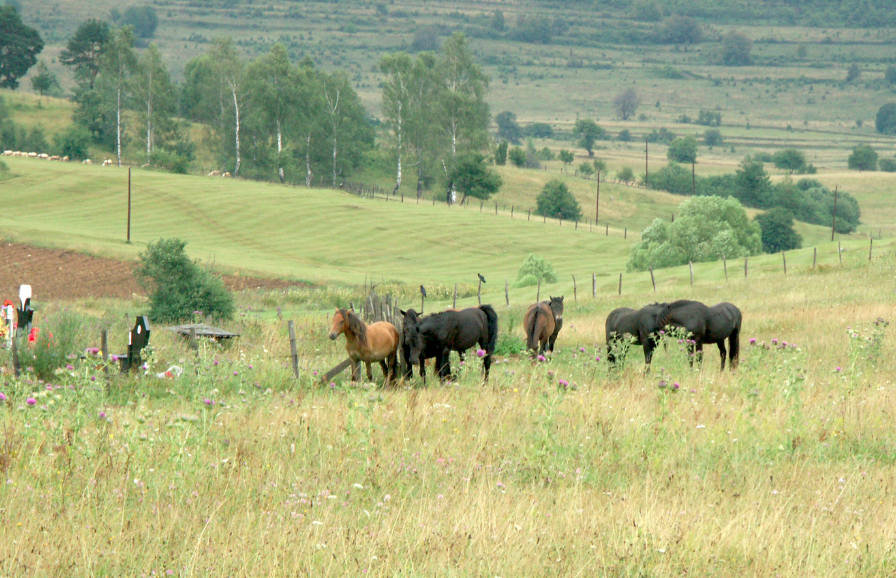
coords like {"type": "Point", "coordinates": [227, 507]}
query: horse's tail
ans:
{"type": "Point", "coordinates": [531, 339]}
{"type": "Point", "coordinates": [491, 318]}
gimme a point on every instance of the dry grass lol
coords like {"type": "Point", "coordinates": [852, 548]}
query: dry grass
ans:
{"type": "Point", "coordinates": [782, 468]}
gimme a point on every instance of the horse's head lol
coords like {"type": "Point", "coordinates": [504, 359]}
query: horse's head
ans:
{"type": "Point", "coordinates": [339, 323]}
{"type": "Point", "coordinates": [557, 307]}
{"type": "Point", "coordinates": [410, 334]}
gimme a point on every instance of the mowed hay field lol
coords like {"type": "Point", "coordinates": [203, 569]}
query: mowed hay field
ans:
{"type": "Point", "coordinates": [562, 468]}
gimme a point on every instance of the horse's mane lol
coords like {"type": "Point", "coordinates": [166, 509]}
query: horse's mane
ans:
{"type": "Point", "coordinates": [662, 316]}
{"type": "Point", "coordinates": [355, 325]}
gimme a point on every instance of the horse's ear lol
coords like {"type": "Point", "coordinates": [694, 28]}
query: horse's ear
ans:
{"type": "Point", "coordinates": [403, 312]}
{"type": "Point", "coordinates": [561, 299]}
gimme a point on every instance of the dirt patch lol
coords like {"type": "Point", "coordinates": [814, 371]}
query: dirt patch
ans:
{"type": "Point", "coordinates": [61, 274]}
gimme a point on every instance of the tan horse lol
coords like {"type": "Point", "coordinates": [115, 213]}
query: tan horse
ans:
{"type": "Point", "coordinates": [367, 343]}
{"type": "Point", "coordinates": [542, 323]}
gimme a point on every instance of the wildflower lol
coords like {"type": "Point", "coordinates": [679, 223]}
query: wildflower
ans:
{"type": "Point", "coordinates": [30, 401]}
{"type": "Point", "coordinates": [564, 383]}
{"type": "Point", "coordinates": [236, 372]}
{"type": "Point", "coordinates": [215, 362]}
{"type": "Point", "coordinates": [69, 366]}
{"type": "Point", "coordinates": [662, 384]}
{"type": "Point", "coordinates": [783, 344]}
{"type": "Point", "coordinates": [314, 373]}
{"type": "Point", "coordinates": [208, 402]}
{"type": "Point", "coordinates": [480, 353]}
{"type": "Point", "coordinates": [752, 341]}
{"type": "Point", "coordinates": [92, 378]}
{"type": "Point", "coordinates": [597, 358]}
{"type": "Point", "coordinates": [774, 341]}
{"type": "Point", "coordinates": [250, 367]}
{"type": "Point", "coordinates": [675, 386]}
{"type": "Point", "coordinates": [581, 350]}
{"type": "Point", "coordinates": [838, 369]}
{"type": "Point", "coordinates": [2, 396]}
{"type": "Point", "coordinates": [102, 415]}
{"type": "Point", "coordinates": [542, 358]}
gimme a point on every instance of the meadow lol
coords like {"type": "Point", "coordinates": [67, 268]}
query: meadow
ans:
{"type": "Point", "coordinates": [558, 468]}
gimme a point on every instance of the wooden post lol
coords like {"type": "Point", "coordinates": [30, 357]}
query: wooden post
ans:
{"type": "Point", "coordinates": [511, 211]}
{"type": "Point", "coordinates": [608, 229]}
{"type": "Point", "coordinates": [575, 291]}
{"type": "Point", "coordinates": [538, 293]}
{"type": "Point", "coordinates": [593, 285]}
{"type": "Point", "coordinates": [834, 221]}
{"type": "Point", "coordinates": [577, 224]}
{"type": "Point", "coordinates": [840, 252]}
{"type": "Point", "coordinates": [544, 219]}
{"type": "Point", "coordinates": [673, 217]}
{"type": "Point", "coordinates": [597, 202]}
{"type": "Point", "coordinates": [691, 267]}
{"type": "Point", "coordinates": [293, 351]}
{"type": "Point", "coordinates": [745, 266]}
{"type": "Point", "coordinates": [652, 280]}
{"type": "Point", "coordinates": [814, 257]}
{"type": "Point", "coordinates": [479, 293]}
{"type": "Point", "coordinates": [529, 215]}
{"type": "Point", "coordinates": [784, 259]}
{"type": "Point", "coordinates": [620, 283]}
{"type": "Point", "coordinates": [129, 204]}
{"type": "Point", "coordinates": [496, 208]}
{"type": "Point", "coordinates": [104, 346]}
{"type": "Point", "coordinates": [625, 234]}
{"type": "Point", "coordinates": [870, 248]}
{"type": "Point", "coordinates": [422, 300]}
{"type": "Point", "coordinates": [480, 205]}
{"type": "Point", "coordinates": [646, 155]}
{"type": "Point", "coordinates": [725, 264]}
{"type": "Point", "coordinates": [506, 293]}
{"type": "Point", "coordinates": [193, 344]}
{"type": "Point", "coordinates": [454, 303]}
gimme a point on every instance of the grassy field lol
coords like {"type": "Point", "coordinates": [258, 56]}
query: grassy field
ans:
{"type": "Point", "coordinates": [562, 468]}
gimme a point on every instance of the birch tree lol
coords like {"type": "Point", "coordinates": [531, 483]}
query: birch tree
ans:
{"type": "Point", "coordinates": [116, 65]}
{"type": "Point", "coordinates": [274, 97]}
{"type": "Point", "coordinates": [154, 98]}
{"type": "Point", "coordinates": [398, 69]}
{"type": "Point", "coordinates": [230, 70]}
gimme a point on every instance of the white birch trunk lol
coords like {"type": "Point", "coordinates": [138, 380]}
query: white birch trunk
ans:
{"type": "Point", "coordinates": [308, 161]}
{"type": "Point", "coordinates": [280, 152]}
{"type": "Point", "coordinates": [398, 178]}
{"type": "Point", "coordinates": [118, 124]}
{"type": "Point", "coordinates": [236, 110]}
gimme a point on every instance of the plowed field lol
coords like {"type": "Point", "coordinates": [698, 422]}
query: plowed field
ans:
{"type": "Point", "coordinates": [60, 274]}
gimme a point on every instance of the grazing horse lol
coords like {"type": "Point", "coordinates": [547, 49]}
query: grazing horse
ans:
{"type": "Point", "coordinates": [542, 324]}
{"type": "Point", "coordinates": [367, 343]}
{"type": "Point", "coordinates": [640, 324]}
{"type": "Point", "coordinates": [705, 325]}
{"type": "Point", "coordinates": [441, 333]}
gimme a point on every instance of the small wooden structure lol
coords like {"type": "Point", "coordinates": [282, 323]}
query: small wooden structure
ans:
{"type": "Point", "coordinates": [138, 339]}
{"type": "Point", "coordinates": [202, 330]}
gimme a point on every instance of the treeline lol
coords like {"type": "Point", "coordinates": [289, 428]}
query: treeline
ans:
{"type": "Point", "coordinates": [807, 199]}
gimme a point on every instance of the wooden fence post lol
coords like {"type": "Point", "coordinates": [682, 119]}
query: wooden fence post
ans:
{"type": "Point", "coordinates": [725, 264]}
{"type": "Point", "coordinates": [593, 285]}
{"type": "Point", "coordinates": [506, 293]}
{"type": "Point", "coordinates": [870, 248]}
{"type": "Point", "coordinates": [814, 257]}
{"type": "Point", "coordinates": [496, 208]}
{"type": "Point", "coordinates": [652, 280]}
{"type": "Point", "coordinates": [691, 267]}
{"type": "Point", "coordinates": [194, 345]}
{"type": "Point", "coordinates": [529, 215]}
{"type": "Point", "coordinates": [293, 351]}
{"type": "Point", "coordinates": [511, 211]}
{"type": "Point", "coordinates": [16, 367]}
{"type": "Point", "coordinates": [577, 224]}
{"type": "Point", "coordinates": [784, 259]}
{"type": "Point", "coordinates": [745, 266]}
{"type": "Point", "coordinates": [575, 291]}
{"type": "Point", "coordinates": [104, 347]}
{"type": "Point", "coordinates": [479, 293]}
{"type": "Point", "coordinates": [454, 303]}
{"type": "Point", "coordinates": [480, 205]}
{"type": "Point", "coordinates": [620, 283]}
{"type": "Point", "coordinates": [538, 293]}
{"type": "Point", "coordinates": [608, 229]}
{"type": "Point", "coordinates": [840, 252]}
{"type": "Point", "coordinates": [625, 234]}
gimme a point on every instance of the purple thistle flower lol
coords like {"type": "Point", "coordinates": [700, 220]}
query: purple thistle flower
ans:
{"type": "Point", "coordinates": [250, 367]}
{"type": "Point", "coordinates": [675, 386]}
{"type": "Point", "coordinates": [208, 402]}
{"type": "Point", "coordinates": [774, 341]}
{"type": "Point", "coordinates": [236, 372]}
{"type": "Point", "coordinates": [838, 368]}
{"type": "Point", "coordinates": [102, 415]}
{"type": "Point", "coordinates": [215, 362]}
{"type": "Point", "coordinates": [752, 341]}
{"type": "Point", "coordinates": [30, 401]}
{"type": "Point", "coordinates": [69, 366]}
{"type": "Point", "coordinates": [597, 358]}
{"type": "Point", "coordinates": [662, 384]}
{"type": "Point", "coordinates": [92, 378]}
{"type": "Point", "coordinates": [542, 358]}
{"type": "Point", "coordinates": [480, 352]}
{"type": "Point", "coordinates": [582, 350]}
{"type": "Point", "coordinates": [564, 383]}
{"type": "Point", "coordinates": [2, 396]}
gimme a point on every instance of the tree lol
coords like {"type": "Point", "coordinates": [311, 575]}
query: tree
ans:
{"type": "Point", "coordinates": [679, 30]}
{"type": "Point", "coordinates": [501, 153]}
{"type": "Point", "coordinates": [705, 229]}
{"type": "Point", "coordinates": [713, 137]}
{"type": "Point", "coordinates": [346, 128]}
{"type": "Point", "coordinates": [424, 135]}
{"type": "Point", "coordinates": [517, 156]}
{"type": "Point", "coordinates": [43, 80]}
{"type": "Point", "coordinates": [473, 178]}
{"type": "Point", "coordinates": [508, 128]}
{"type": "Point", "coordinates": [498, 20]}
{"type": "Point", "coordinates": [752, 185]}
{"type": "Point", "coordinates": [627, 103]}
{"type": "Point", "coordinates": [863, 158]}
{"type": "Point", "coordinates": [647, 11]}
{"type": "Point", "coordinates": [229, 68]}
{"type": "Point", "coordinates": [885, 122]}
{"type": "Point", "coordinates": [534, 270]}
{"type": "Point", "coordinates": [154, 96]}
{"type": "Point", "coordinates": [625, 175]}
{"type": "Point", "coordinates": [586, 169]}
{"type": "Point", "coordinates": [736, 48]}
{"type": "Point", "coordinates": [778, 233]}
{"type": "Point", "coordinates": [143, 19]}
{"type": "Point", "coordinates": [84, 48]}
{"type": "Point", "coordinates": [426, 39]}
{"type": "Point", "coordinates": [600, 166]}
{"type": "Point", "coordinates": [73, 143]}
{"type": "Point", "coordinates": [588, 133]}
{"type": "Point", "coordinates": [890, 75]}
{"type": "Point", "coordinates": [624, 135]}
{"type": "Point", "coordinates": [178, 286]}
{"type": "Point", "coordinates": [683, 150]}
{"type": "Point", "coordinates": [19, 47]}
{"type": "Point", "coordinates": [117, 61]}
{"type": "Point", "coordinates": [789, 159]}
{"type": "Point", "coordinates": [566, 157]}
{"type": "Point", "coordinates": [853, 72]}
{"type": "Point", "coordinates": [399, 69]}
{"type": "Point", "coordinates": [557, 202]}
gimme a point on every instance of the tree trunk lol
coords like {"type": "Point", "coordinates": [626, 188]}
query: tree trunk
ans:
{"type": "Point", "coordinates": [398, 178]}
{"type": "Point", "coordinates": [236, 110]}
{"type": "Point", "coordinates": [118, 124]}
{"type": "Point", "coordinates": [280, 152]}
{"type": "Point", "coordinates": [308, 161]}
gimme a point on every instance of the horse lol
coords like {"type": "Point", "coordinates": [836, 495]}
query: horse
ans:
{"type": "Point", "coordinates": [706, 325]}
{"type": "Point", "coordinates": [439, 334]}
{"type": "Point", "coordinates": [367, 343]}
{"type": "Point", "coordinates": [542, 324]}
{"type": "Point", "coordinates": [640, 324]}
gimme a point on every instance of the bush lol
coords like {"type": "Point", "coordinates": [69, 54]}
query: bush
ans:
{"type": "Point", "coordinates": [777, 231]}
{"type": "Point", "coordinates": [546, 154]}
{"type": "Point", "coordinates": [863, 158]}
{"type": "Point", "coordinates": [683, 150]}
{"type": "Point", "coordinates": [178, 286]}
{"type": "Point", "coordinates": [885, 122]}
{"type": "Point", "coordinates": [625, 174]}
{"type": "Point", "coordinates": [170, 161]}
{"type": "Point", "coordinates": [713, 137]}
{"type": "Point", "coordinates": [534, 269]}
{"type": "Point", "coordinates": [501, 154]}
{"type": "Point", "coordinates": [517, 156]}
{"type": "Point", "coordinates": [789, 159]}
{"type": "Point", "coordinates": [887, 165]}
{"type": "Point", "coordinates": [73, 143]}
{"type": "Point", "coordinates": [539, 130]}
{"type": "Point", "coordinates": [624, 135]}
{"type": "Point", "coordinates": [556, 201]}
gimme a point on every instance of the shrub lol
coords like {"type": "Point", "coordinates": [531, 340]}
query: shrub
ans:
{"type": "Point", "coordinates": [533, 270]}
{"type": "Point", "coordinates": [625, 174]}
{"type": "Point", "coordinates": [73, 143]}
{"type": "Point", "coordinates": [683, 150]}
{"type": "Point", "coordinates": [777, 231]}
{"type": "Point", "coordinates": [624, 135]}
{"type": "Point", "coordinates": [556, 201]}
{"type": "Point", "coordinates": [863, 158]}
{"type": "Point", "coordinates": [517, 156]}
{"type": "Point", "coordinates": [179, 286]}
{"type": "Point", "coordinates": [887, 165]}
{"type": "Point", "coordinates": [789, 159]}
{"type": "Point", "coordinates": [501, 154]}
{"type": "Point", "coordinates": [713, 137]}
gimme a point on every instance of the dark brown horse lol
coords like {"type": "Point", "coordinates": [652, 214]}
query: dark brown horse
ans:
{"type": "Point", "coordinates": [705, 325]}
{"type": "Point", "coordinates": [542, 324]}
{"type": "Point", "coordinates": [367, 343]}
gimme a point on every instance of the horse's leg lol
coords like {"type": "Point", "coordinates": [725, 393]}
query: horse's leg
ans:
{"type": "Point", "coordinates": [647, 344]}
{"type": "Point", "coordinates": [698, 348]}
{"type": "Point", "coordinates": [444, 364]}
{"type": "Point", "coordinates": [422, 363]}
{"type": "Point", "coordinates": [385, 373]}
{"type": "Point", "coordinates": [356, 369]}
{"type": "Point", "coordinates": [723, 352]}
{"type": "Point", "coordinates": [734, 350]}
{"type": "Point", "coordinates": [369, 371]}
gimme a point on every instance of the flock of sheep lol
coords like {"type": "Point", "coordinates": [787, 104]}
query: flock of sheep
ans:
{"type": "Point", "coordinates": [46, 157]}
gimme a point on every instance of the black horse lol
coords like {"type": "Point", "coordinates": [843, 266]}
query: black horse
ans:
{"type": "Point", "coordinates": [625, 322]}
{"type": "Point", "coordinates": [705, 325]}
{"type": "Point", "coordinates": [441, 333]}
